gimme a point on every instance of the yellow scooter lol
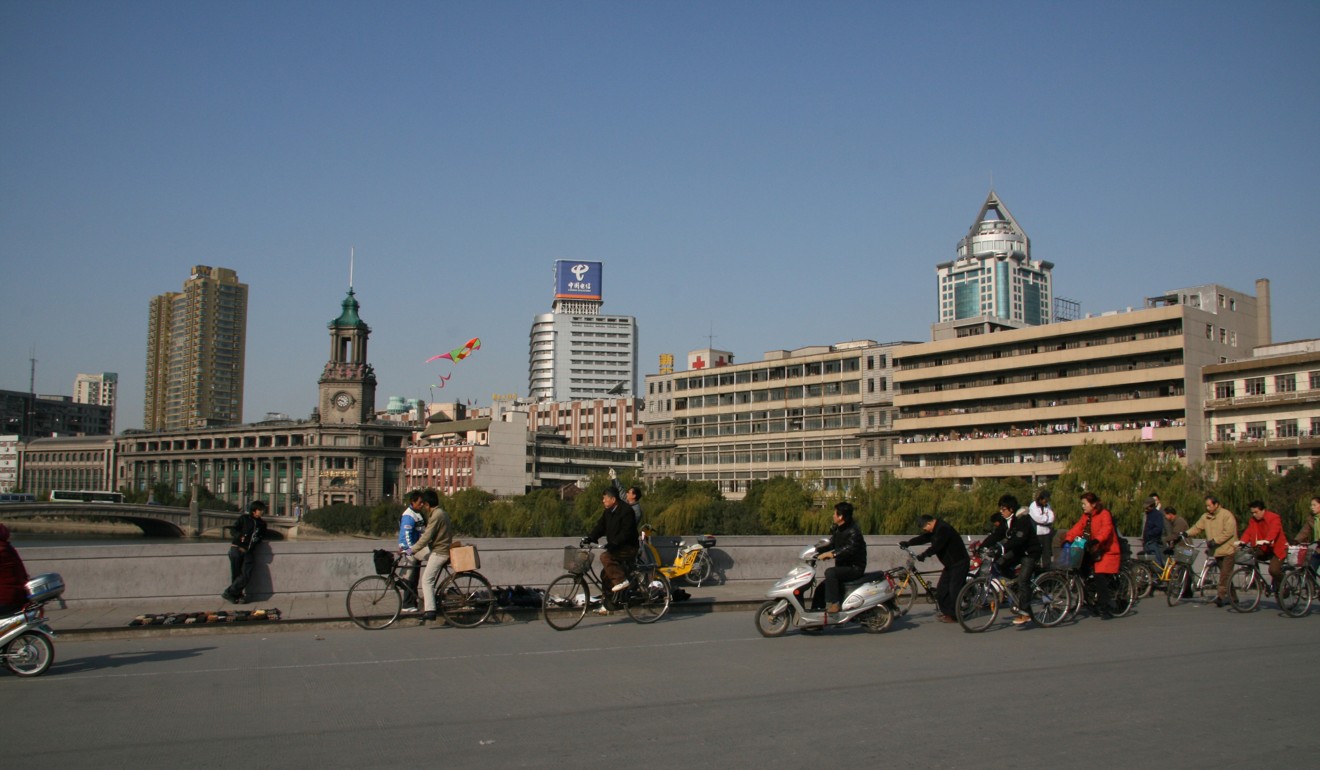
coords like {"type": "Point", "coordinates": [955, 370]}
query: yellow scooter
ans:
{"type": "Point", "coordinates": [692, 563]}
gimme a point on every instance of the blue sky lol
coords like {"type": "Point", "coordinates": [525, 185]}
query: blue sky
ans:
{"type": "Point", "coordinates": [781, 173]}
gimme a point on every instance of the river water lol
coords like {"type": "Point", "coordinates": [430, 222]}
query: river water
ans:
{"type": "Point", "coordinates": [23, 540]}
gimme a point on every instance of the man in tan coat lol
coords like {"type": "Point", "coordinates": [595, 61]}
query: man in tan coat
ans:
{"type": "Point", "coordinates": [1221, 535]}
{"type": "Point", "coordinates": [433, 548]}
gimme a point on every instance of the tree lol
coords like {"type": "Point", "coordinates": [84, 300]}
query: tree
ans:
{"type": "Point", "coordinates": [780, 503]}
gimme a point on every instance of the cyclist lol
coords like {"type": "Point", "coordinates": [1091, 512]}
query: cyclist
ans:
{"type": "Point", "coordinates": [411, 526]}
{"type": "Point", "coordinates": [13, 577]}
{"type": "Point", "coordinates": [847, 547]}
{"type": "Point", "coordinates": [1152, 534]}
{"type": "Point", "coordinates": [1264, 535]}
{"type": "Point", "coordinates": [947, 545]}
{"type": "Point", "coordinates": [1310, 530]}
{"type": "Point", "coordinates": [618, 523]}
{"type": "Point", "coordinates": [1220, 528]}
{"type": "Point", "coordinates": [1103, 556]}
{"type": "Point", "coordinates": [1021, 550]}
{"type": "Point", "coordinates": [432, 547]}
{"type": "Point", "coordinates": [1174, 527]}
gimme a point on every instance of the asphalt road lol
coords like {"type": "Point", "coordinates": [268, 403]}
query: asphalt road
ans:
{"type": "Point", "coordinates": [1190, 686]}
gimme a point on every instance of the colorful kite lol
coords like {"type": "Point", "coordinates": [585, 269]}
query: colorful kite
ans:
{"type": "Point", "coordinates": [458, 354]}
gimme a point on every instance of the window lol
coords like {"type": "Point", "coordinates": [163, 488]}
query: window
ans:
{"type": "Point", "coordinates": [1285, 383]}
{"type": "Point", "coordinates": [1255, 431]}
{"type": "Point", "coordinates": [1225, 432]}
{"type": "Point", "coordinates": [1224, 390]}
{"type": "Point", "coordinates": [1315, 380]}
{"type": "Point", "coordinates": [1285, 428]}
{"type": "Point", "coordinates": [1255, 386]}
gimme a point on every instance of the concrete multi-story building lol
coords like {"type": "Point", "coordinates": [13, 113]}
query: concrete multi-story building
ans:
{"type": "Point", "coordinates": [611, 423]}
{"type": "Point", "coordinates": [993, 283]}
{"type": "Point", "coordinates": [502, 456]}
{"type": "Point", "coordinates": [196, 341]}
{"type": "Point", "coordinates": [1266, 406]}
{"type": "Point", "coordinates": [1015, 402]}
{"type": "Point", "coordinates": [68, 462]}
{"type": "Point", "coordinates": [342, 455]}
{"type": "Point", "coordinates": [36, 416]}
{"type": "Point", "coordinates": [576, 352]}
{"type": "Point", "coordinates": [818, 413]}
{"type": "Point", "coordinates": [100, 389]}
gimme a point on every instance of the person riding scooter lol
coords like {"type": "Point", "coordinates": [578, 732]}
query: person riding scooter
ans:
{"type": "Point", "coordinates": [847, 548]}
{"type": "Point", "coordinates": [13, 577]}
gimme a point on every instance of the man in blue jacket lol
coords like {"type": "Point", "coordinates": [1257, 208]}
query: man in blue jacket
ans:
{"type": "Point", "coordinates": [1152, 535]}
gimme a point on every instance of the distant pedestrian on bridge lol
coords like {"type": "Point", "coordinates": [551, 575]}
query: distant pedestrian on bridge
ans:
{"type": "Point", "coordinates": [249, 532]}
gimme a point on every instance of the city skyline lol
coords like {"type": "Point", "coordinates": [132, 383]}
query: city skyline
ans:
{"type": "Point", "coordinates": [770, 174]}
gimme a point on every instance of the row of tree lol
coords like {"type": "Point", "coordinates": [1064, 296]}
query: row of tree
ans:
{"type": "Point", "coordinates": [1122, 476]}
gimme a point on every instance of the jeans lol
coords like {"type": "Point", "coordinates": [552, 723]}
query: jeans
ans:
{"type": "Point", "coordinates": [241, 563]}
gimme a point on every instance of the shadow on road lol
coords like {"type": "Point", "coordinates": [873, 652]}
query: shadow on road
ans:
{"type": "Point", "coordinates": [120, 659]}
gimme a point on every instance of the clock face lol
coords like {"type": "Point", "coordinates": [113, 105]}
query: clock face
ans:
{"type": "Point", "coordinates": [343, 400]}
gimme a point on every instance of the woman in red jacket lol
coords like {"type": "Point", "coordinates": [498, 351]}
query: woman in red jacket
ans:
{"type": "Point", "coordinates": [1102, 550]}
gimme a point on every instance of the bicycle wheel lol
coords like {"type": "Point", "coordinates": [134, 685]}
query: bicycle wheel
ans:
{"type": "Point", "coordinates": [648, 599]}
{"type": "Point", "coordinates": [1143, 578]}
{"type": "Point", "coordinates": [1244, 589]}
{"type": "Point", "coordinates": [1076, 593]}
{"type": "Point", "coordinates": [29, 654]}
{"type": "Point", "coordinates": [374, 602]}
{"type": "Point", "coordinates": [565, 602]}
{"type": "Point", "coordinates": [771, 625]}
{"type": "Point", "coordinates": [1294, 594]}
{"type": "Point", "coordinates": [1049, 599]}
{"type": "Point", "coordinates": [1124, 594]}
{"type": "Point", "coordinates": [701, 570]}
{"type": "Point", "coordinates": [978, 604]}
{"type": "Point", "coordinates": [905, 589]}
{"type": "Point", "coordinates": [466, 599]}
{"type": "Point", "coordinates": [1177, 587]}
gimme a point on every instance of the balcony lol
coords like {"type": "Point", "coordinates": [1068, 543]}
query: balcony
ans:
{"type": "Point", "coordinates": [1268, 399]}
{"type": "Point", "coordinates": [1267, 443]}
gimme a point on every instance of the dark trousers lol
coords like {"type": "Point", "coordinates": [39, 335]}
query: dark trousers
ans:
{"type": "Point", "coordinates": [1026, 570]}
{"type": "Point", "coordinates": [835, 577]}
{"type": "Point", "coordinates": [952, 580]}
{"type": "Point", "coordinates": [614, 566]}
{"type": "Point", "coordinates": [1104, 592]}
{"type": "Point", "coordinates": [240, 570]}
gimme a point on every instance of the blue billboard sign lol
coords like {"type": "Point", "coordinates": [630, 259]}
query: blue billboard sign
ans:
{"type": "Point", "coordinates": [577, 280]}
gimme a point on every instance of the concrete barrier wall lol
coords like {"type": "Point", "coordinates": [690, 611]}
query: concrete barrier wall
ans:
{"type": "Point", "coordinates": [106, 574]}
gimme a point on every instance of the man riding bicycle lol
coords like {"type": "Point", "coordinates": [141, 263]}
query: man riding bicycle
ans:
{"type": "Point", "coordinates": [618, 523]}
{"type": "Point", "coordinates": [1264, 535]}
{"type": "Point", "coordinates": [1017, 531]}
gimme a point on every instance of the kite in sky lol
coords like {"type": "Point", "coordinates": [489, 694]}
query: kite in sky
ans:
{"type": "Point", "coordinates": [456, 355]}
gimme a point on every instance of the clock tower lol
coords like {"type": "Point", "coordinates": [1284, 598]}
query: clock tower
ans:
{"type": "Point", "coordinates": [348, 383]}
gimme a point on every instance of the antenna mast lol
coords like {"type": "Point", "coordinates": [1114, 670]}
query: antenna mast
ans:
{"type": "Point", "coordinates": [350, 268]}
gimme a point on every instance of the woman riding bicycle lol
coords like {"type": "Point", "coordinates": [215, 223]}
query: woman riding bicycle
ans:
{"type": "Point", "coordinates": [1102, 556]}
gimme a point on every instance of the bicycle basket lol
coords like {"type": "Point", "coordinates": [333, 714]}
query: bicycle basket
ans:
{"type": "Point", "coordinates": [1245, 556]}
{"type": "Point", "coordinates": [1069, 557]}
{"type": "Point", "coordinates": [383, 561]}
{"type": "Point", "coordinates": [1184, 554]}
{"type": "Point", "coordinates": [1297, 555]}
{"type": "Point", "coordinates": [576, 560]}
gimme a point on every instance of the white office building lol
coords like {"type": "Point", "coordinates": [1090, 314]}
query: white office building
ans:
{"type": "Point", "coordinates": [576, 352]}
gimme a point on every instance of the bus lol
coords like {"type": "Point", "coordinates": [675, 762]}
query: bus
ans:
{"type": "Point", "coordinates": [17, 497]}
{"type": "Point", "coordinates": [83, 496]}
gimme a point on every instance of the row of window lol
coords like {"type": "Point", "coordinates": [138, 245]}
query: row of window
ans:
{"type": "Point", "coordinates": [1263, 429]}
{"type": "Point", "coordinates": [1256, 386]}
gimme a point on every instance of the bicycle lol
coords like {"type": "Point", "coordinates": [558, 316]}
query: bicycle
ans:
{"type": "Point", "coordinates": [464, 599]}
{"type": "Point", "coordinates": [979, 601]}
{"type": "Point", "coordinates": [909, 583]}
{"type": "Point", "coordinates": [692, 562]}
{"type": "Point", "coordinates": [1300, 584]}
{"type": "Point", "coordinates": [568, 596]}
{"type": "Point", "coordinates": [1150, 574]}
{"type": "Point", "coordinates": [1246, 584]}
{"type": "Point", "coordinates": [1082, 590]}
{"type": "Point", "coordinates": [1180, 585]}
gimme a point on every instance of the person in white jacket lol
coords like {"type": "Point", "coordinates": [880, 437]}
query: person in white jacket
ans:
{"type": "Point", "coordinates": [1041, 513]}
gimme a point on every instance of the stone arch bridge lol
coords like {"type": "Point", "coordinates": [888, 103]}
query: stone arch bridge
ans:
{"type": "Point", "coordinates": [154, 520]}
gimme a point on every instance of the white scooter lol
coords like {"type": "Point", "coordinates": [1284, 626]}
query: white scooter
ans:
{"type": "Point", "coordinates": [869, 600]}
{"type": "Point", "coordinates": [27, 645]}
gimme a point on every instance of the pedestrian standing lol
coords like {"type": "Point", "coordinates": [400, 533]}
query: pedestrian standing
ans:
{"type": "Point", "coordinates": [249, 532]}
{"type": "Point", "coordinates": [1041, 513]}
{"type": "Point", "coordinates": [1221, 534]}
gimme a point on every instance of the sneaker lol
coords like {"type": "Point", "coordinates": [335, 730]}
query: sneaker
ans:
{"type": "Point", "coordinates": [410, 610]}
{"type": "Point", "coordinates": [1021, 620]}
{"type": "Point", "coordinates": [620, 587]}
{"type": "Point", "coordinates": [602, 610]}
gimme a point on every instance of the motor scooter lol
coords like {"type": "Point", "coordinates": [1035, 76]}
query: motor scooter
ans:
{"type": "Point", "coordinates": [27, 644]}
{"type": "Point", "coordinates": [868, 600]}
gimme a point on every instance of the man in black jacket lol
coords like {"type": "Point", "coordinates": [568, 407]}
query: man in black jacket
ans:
{"type": "Point", "coordinates": [946, 545]}
{"type": "Point", "coordinates": [1021, 549]}
{"type": "Point", "coordinates": [618, 523]}
{"type": "Point", "coordinates": [249, 531]}
{"type": "Point", "coordinates": [847, 548]}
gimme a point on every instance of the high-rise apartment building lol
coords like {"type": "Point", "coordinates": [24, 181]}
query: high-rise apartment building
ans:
{"type": "Point", "coordinates": [196, 341]}
{"type": "Point", "coordinates": [576, 352]}
{"type": "Point", "coordinates": [994, 283]}
{"type": "Point", "coordinates": [100, 389]}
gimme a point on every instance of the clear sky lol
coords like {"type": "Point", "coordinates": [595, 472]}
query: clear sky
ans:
{"type": "Point", "coordinates": [779, 174]}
